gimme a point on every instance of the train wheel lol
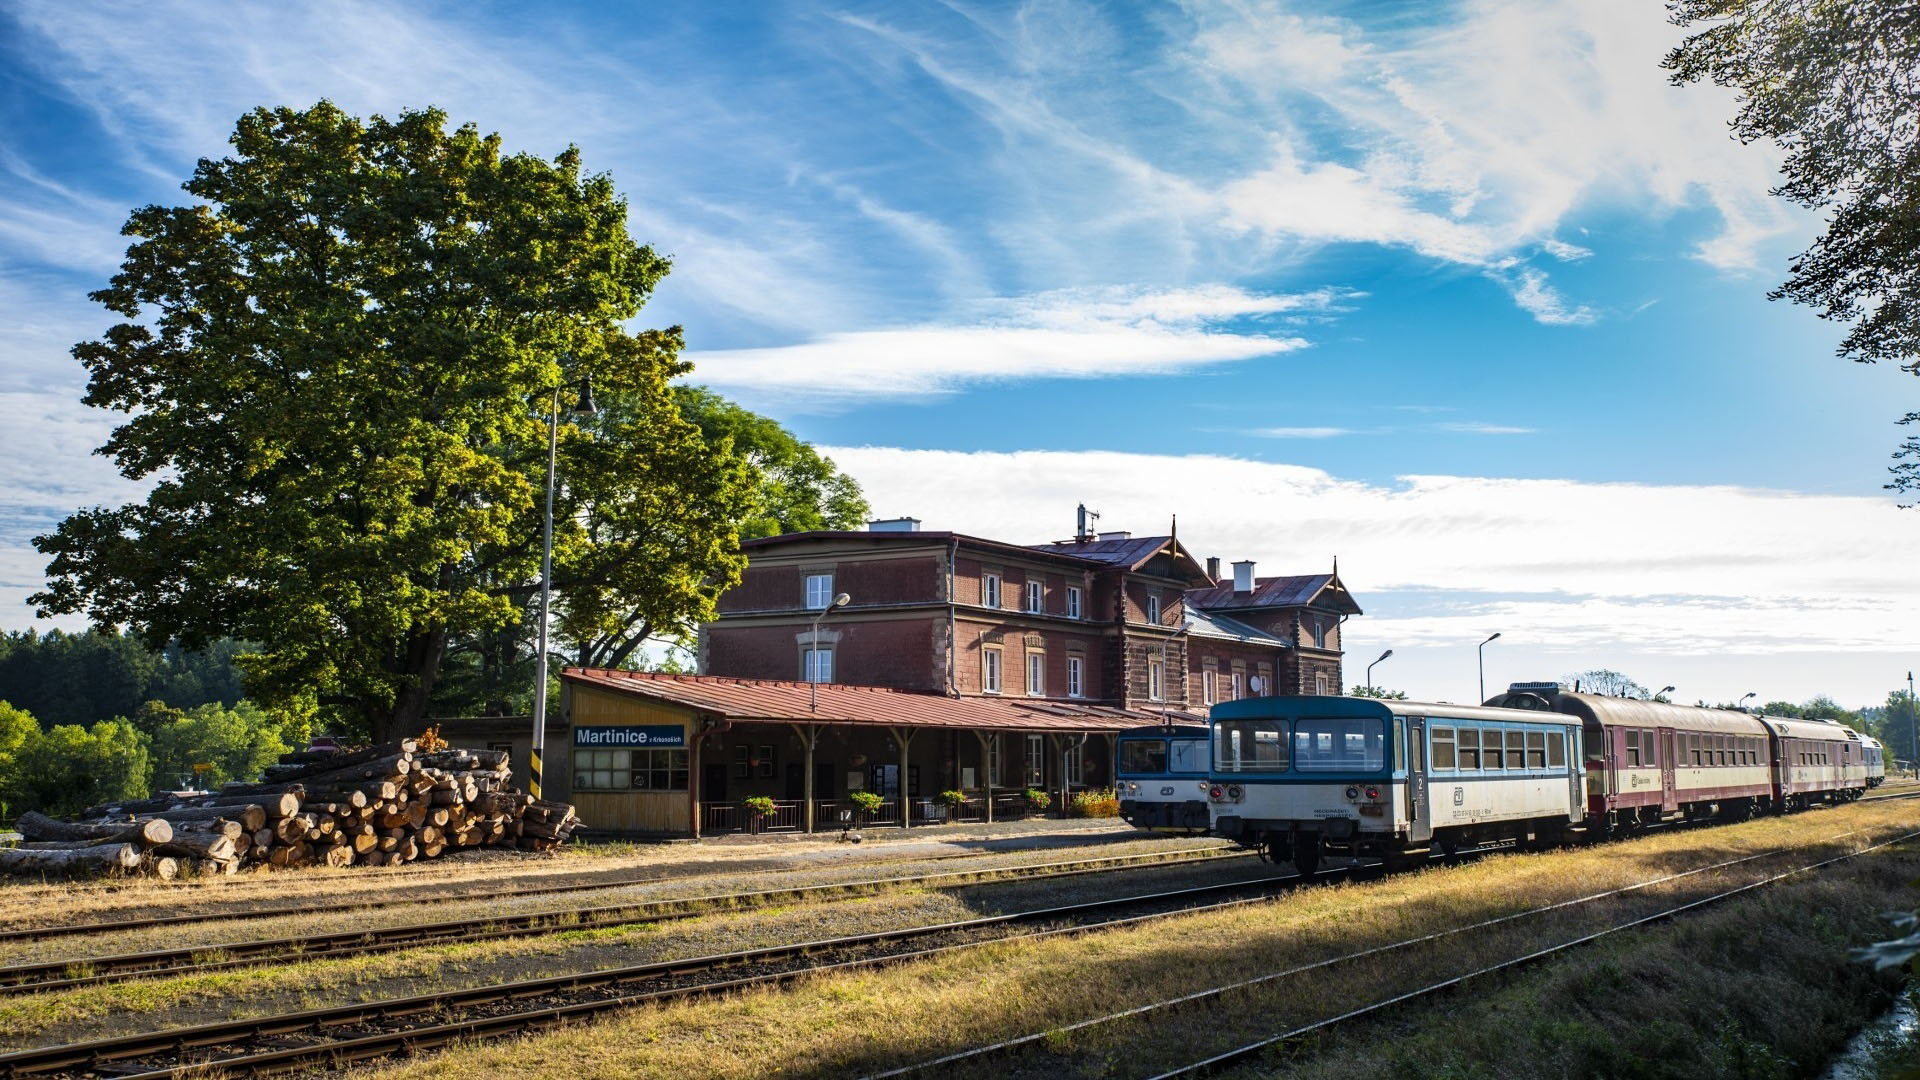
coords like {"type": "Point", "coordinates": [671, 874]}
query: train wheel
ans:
{"type": "Point", "coordinates": [1306, 854]}
{"type": "Point", "coordinates": [1449, 846]}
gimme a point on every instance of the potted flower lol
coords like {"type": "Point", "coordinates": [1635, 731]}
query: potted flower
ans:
{"type": "Point", "coordinates": [953, 799]}
{"type": "Point", "coordinates": [1038, 800]}
{"type": "Point", "coordinates": [759, 809]}
{"type": "Point", "coordinates": [865, 804]}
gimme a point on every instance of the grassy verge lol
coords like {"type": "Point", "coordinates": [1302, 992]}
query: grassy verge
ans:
{"type": "Point", "coordinates": [858, 1022]}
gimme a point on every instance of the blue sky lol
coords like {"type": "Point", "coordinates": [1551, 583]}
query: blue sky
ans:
{"type": "Point", "coordinates": [1420, 285]}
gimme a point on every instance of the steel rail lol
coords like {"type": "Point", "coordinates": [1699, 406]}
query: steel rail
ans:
{"type": "Point", "coordinates": [1250, 1050]}
{"type": "Point", "coordinates": [42, 933]}
{"type": "Point", "coordinates": [67, 974]}
{"type": "Point", "coordinates": [1025, 1041]}
{"type": "Point", "coordinates": [94, 1054]}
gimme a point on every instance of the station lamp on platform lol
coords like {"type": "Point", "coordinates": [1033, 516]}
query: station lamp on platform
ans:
{"type": "Point", "coordinates": [1655, 696]}
{"type": "Point", "coordinates": [1389, 652]}
{"type": "Point", "coordinates": [582, 407]}
{"type": "Point", "coordinates": [813, 652]}
{"type": "Point", "coordinates": [1483, 666]}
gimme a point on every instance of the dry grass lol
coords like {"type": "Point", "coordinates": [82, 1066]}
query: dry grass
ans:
{"type": "Point", "coordinates": [856, 1022]}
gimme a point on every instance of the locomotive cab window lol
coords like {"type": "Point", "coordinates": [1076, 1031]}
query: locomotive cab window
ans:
{"type": "Point", "coordinates": [1143, 756]}
{"type": "Point", "coordinates": [1443, 748]}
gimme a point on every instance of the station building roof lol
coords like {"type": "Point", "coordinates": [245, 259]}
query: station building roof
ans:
{"type": "Point", "coordinates": [781, 701]}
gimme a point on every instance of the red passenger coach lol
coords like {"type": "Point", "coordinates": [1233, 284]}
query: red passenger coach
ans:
{"type": "Point", "coordinates": [1816, 761]}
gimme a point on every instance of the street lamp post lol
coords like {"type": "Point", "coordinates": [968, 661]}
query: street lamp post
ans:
{"type": "Point", "coordinates": [1389, 652]}
{"type": "Point", "coordinates": [813, 653]}
{"type": "Point", "coordinates": [1913, 723]}
{"type": "Point", "coordinates": [1742, 703]}
{"type": "Point", "coordinates": [583, 407]}
{"type": "Point", "coordinates": [1655, 696]}
{"type": "Point", "coordinates": [1483, 667]}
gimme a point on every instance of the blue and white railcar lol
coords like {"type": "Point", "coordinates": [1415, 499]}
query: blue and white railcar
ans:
{"type": "Point", "coordinates": [1300, 777]}
{"type": "Point", "coordinates": [1161, 777]}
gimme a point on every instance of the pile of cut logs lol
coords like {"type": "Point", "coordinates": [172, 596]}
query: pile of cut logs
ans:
{"type": "Point", "coordinates": [379, 806]}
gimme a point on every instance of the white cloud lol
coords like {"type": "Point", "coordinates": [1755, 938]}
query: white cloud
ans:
{"type": "Point", "coordinates": [1301, 432]}
{"type": "Point", "coordinates": [1541, 300]}
{"type": "Point", "coordinates": [1073, 335]}
{"type": "Point", "coordinates": [1474, 427]}
{"type": "Point", "coordinates": [1578, 572]}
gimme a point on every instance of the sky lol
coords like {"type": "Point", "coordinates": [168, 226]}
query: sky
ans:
{"type": "Point", "coordinates": [1461, 293]}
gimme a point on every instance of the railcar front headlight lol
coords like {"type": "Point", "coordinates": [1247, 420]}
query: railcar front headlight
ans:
{"type": "Point", "coordinates": [1234, 792]}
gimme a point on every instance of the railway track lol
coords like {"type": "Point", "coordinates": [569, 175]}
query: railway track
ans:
{"type": "Point", "coordinates": [338, 1036]}
{"type": "Point", "coordinates": [120, 925]}
{"type": "Point", "coordinates": [984, 1056]}
{"type": "Point", "coordinates": [72, 972]}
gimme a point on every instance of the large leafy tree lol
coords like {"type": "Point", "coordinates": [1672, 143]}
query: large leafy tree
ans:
{"type": "Point", "coordinates": [1836, 83]}
{"type": "Point", "coordinates": [337, 368]}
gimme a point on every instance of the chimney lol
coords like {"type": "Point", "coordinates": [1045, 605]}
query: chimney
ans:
{"type": "Point", "coordinates": [1120, 535]}
{"type": "Point", "coordinates": [1213, 567]}
{"type": "Point", "coordinates": [1243, 576]}
{"type": "Point", "coordinates": [899, 524]}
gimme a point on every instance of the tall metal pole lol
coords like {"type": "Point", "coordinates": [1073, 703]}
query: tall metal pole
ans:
{"type": "Point", "coordinates": [1913, 723]}
{"type": "Point", "coordinates": [538, 746]}
{"type": "Point", "coordinates": [1389, 652]}
{"type": "Point", "coordinates": [1483, 669]}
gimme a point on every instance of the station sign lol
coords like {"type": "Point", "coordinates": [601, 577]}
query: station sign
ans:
{"type": "Point", "coordinates": [627, 735]}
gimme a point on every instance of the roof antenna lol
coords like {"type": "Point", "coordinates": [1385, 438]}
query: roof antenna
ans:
{"type": "Point", "coordinates": [1083, 523]}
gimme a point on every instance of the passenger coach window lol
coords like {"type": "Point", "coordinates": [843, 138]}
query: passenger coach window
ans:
{"type": "Point", "coordinates": [1536, 749]}
{"type": "Point", "coordinates": [1251, 745]}
{"type": "Point", "coordinates": [1338, 744]}
{"type": "Point", "coordinates": [1633, 749]}
{"type": "Point", "coordinates": [1143, 756]}
{"type": "Point", "coordinates": [1443, 748]}
{"type": "Point", "coordinates": [1556, 750]}
{"type": "Point", "coordinates": [1516, 750]}
{"type": "Point", "coordinates": [1469, 749]}
{"type": "Point", "coordinates": [1489, 749]}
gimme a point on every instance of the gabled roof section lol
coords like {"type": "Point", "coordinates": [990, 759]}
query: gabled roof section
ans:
{"type": "Point", "coordinates": [1133, 554]}
{"type": "Point", "coordinates": [1300, 590]}
{"type": "Point", "coordinates": [777, 701]}
{"type": "Point", "coordinates": [1207, 624]}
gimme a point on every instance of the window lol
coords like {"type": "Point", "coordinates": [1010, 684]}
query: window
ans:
{"type": "Point", "coordinates": [1036, 761]}
{"type": "Point", "coordinates": [1156, 679]}
{"type": "Point", "coordinates": [816, 665]}
{"type": "Point", "coordinates": [1339, 744]}
{"type": "Point", "coordinates": [1076, 676]}
{"type": "Point", "coordinates": [1490, 749]}
{"type": "Point", "coordinates": [1443, 748]}
{"type": "Point", "coordinates": [1076, 771]}
{"type": "Point", "coordinates": [1250, 745]}
{"type": "Point", "coordinates": [1469, 749]}
{"type": "Point", "coordinates": [1320, 683]}
{"type": "Point", "coordinates": [1188, 756]}
{"type": "Point", "coordinates": [629, 770]}
{"type": "Point", "coordinates": [1263, 681]}
{"type": "Point", "coordinates": [1036, 595]}
{"type": "Point", "coordinates": [1238, 689]}
{"type": "Point", "coordinates": [1556, 750]}
{"type": "Point", "coordinates": [990, 590]}
{"type": "Point", "coordinates": [993, 761]}
{"type": "Point", "coordinates": [1073, 602]}
{"type": "Point", "coordinates": [819, 590]}
{"type": "Point", "coordinates": [1633, 749]}
{"type": "Point", "coordinates": [1693, 745]}
{"type": "Point", "coordinates": [1036, 674]}
{"type": "Point", "coordinates": [1516, 750]}
{"type": "Point", "coordinates": [990, 671]}
{"type": "Point", "coordinates": [1153, 608]}
{"type": "Point", "coordinates": [1208, 673]}
{"type": "Point", "coordinates": [1646, 747]}
{"type": "Point", "coordinates": [1536, 749]}
{"type": "Point", "coordinates": [1143, 756]}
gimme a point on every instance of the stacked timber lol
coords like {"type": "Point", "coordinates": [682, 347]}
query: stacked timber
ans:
{"type": "Point", "coordinates": [377, 806]}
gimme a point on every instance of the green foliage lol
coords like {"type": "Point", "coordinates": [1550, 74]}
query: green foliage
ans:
{"type": "Point", "coordinates": [758, 805]}
{"type": "Point", "coordinates": [1832, 83]}
{"type": "Point", "coordinates": [795, 489]}
{"type": "Point", "coordinates": [236, 743]}
{"type": "Point", "coordinates": [17, 729]}
{"type": "Point", "coordinates": [1038, 799]}
{"type": "Point", "coordinates": [1094, 804]}
{"type": "Point", "coordinates": [867, 802]}
{"type": "Point", "coordinates": [337, 370]}
{"type": "Point", "coordinates": [1378, 692]}
{"type": "Point", "coordinates": [1896, 726]}
{"type": "Point", "coordinates": [79, 678]}
{"type": "Point", "coordinates": [68, 768]}
{"type": "Point", "coordinates": [952, 797]}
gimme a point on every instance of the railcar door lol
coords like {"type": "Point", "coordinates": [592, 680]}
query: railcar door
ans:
{"type": "Point", "coordinates": [1419, 814]}
{"type": "Point", "coordinates": [1667, 800]}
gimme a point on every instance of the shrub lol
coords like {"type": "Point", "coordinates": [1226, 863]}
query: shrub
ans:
{"type": "Point", "coordinates": [953, 797]}
{"type": "Point", "coordinates": [1093, 804]}
{"type": "Point", "coordinates": [866, 802]}
{"type": "Point", "coordinates": [1038, 799]}
{"type": "Point", "coordinates": [759, 805]}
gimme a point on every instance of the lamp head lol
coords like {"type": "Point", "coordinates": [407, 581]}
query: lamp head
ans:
{"type": "Point", "coordinates": [1663, 690]}
{"type": "Point", "coordinates": [842, 600]}
{"type": "Point", "coordinates": [1384, 655]}
{"type": "Point", "coordinates": [1495, 637]}
{"type": "Point", "coordinates": [585, 406]}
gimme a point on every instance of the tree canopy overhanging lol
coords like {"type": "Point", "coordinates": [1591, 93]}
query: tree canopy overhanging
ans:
{"type": "Point", "coordinates": [337, 369]}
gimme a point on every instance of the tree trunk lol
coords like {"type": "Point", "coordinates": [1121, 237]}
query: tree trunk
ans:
{"type": "Point", "coordinates": [199, 846]}
{"type": "Point", "coordinates": [37, 826]}
{"type": "Point", "coordinates": [93, 860]}
{"type": "Point", "coordinates": [424, 653]}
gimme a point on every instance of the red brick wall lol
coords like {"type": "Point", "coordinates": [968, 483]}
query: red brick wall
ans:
{"type": "Point", "coordinates": [1223, 655]}
{"type": "Point", "coordinates": [1057, 644]}
{"type": "Point", "coordinates": [905, 653]}
{"type": "Point", "coordinates": [867, 581]}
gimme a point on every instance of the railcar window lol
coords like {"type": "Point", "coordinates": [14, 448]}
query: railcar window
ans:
{"type": "Point", "coordinates": [1143, 756]}
{"type": "Point", "coordinates": [1725, 757]}
{"type": "Point", "coordinates": [1646, 747]}
{"type": "Point", "coordinates": [1250, 745]}
{"type": "Point", "coordinates": [1536, 749]}
{"type": "Point", "coordinates": [1490, 748]}
{"type": "Point", "coordinates": [1400, 741]}
{"type": "Point", "coordinates": [1516, 750]}
{"type": "Point", "coordinates": [1187, 756]}
{"type": "Point", "coordinates": [1469, 749]}
{"type": "Point", "coordinates": [1633, 749]}
{"type": "Point", "coordinates": [1557, 750]}
{"type": "Point", "coordinates": [1443, 748]}
{"type": "Point", "coordinates": [1339, 744]}
{"type": "Point", "coordinates": [1693, 744]}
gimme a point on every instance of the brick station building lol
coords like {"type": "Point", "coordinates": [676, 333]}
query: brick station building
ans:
{"type": "Point", "coordinates": [958, 663]}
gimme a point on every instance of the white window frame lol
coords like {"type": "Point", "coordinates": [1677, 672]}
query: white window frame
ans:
{"type": "Point", "coordinates": [1209, 676]}
{"type": "Point", "coordinates": [1239, 686]}
{"type": "Point", "coordinates": [1320, 683]}
{"type": "Point", "coordinates": [991, 661]}
{"type": "Point", "coordinates": [990, 590]}
{"type": "Point", "coordinates": [1076, 676]}
{"type": "Point", "coordinates": [816, 664]}
{"type": "Point", "coordinates": [1075, 609]}
{"type": "Point", "coordinates": [1037, 761]}
{"type": "Point", "coordinates": [1036, 595]}
{"type": "Point", "coordinates": [819, 591]}
{"type": "Point", "coordinates": [1153, 608]}
{"type": "Point", "coordinates": [1156, 679]}
{"type": "Point", "coordinates": [1036, 674]}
